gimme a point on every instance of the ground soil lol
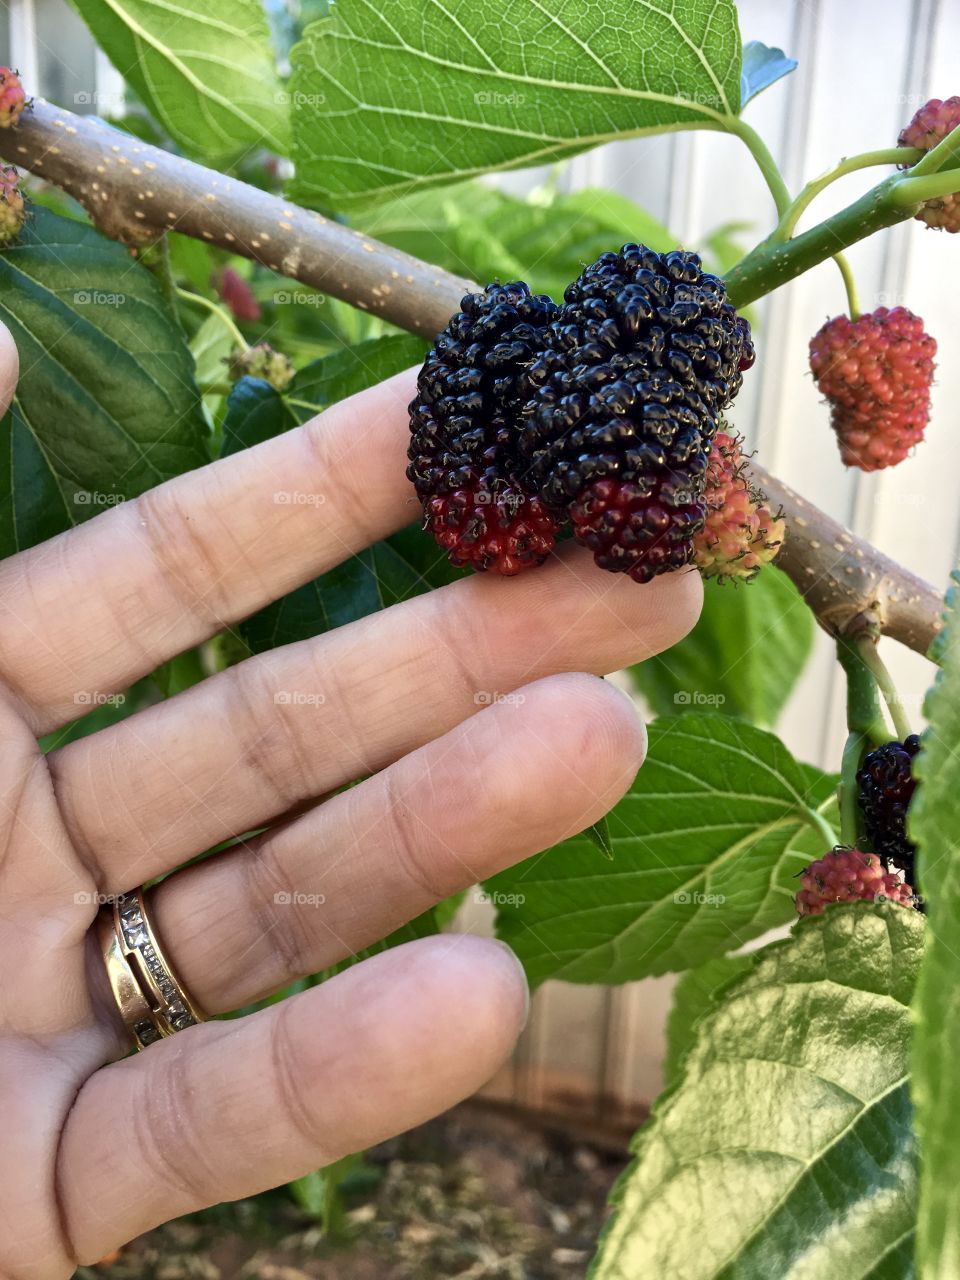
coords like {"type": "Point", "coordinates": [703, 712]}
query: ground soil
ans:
{"type": "Point", "coordinates": [475, 1195]}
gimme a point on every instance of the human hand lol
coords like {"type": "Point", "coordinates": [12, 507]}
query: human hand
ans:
{"type": "Point", "coordinates": [98, 1146]}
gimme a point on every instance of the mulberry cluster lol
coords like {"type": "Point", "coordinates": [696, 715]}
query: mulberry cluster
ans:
{"type": "Point", "coordinates": [740, 534]}
{"type": "Point", "coordinates": [876, 372]}
{"type": "Point", "coordinates": [12, 98]}
{"type": "Point", "coordinates": [930, 125]}
{"type": "Point", "coordinates": [600, 412]}
{"type": "Point", "coordinates": [12, 209]}
{"type": "Point", "coordinates": [886, 784]}
{"type": "Point", "coordinates": [849, 875]}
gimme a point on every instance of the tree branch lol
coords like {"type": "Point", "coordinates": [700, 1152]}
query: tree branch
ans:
{"type": "Point", "coordinates": [134, 192]}
{"type": "Point", "coordinates": [842, 577]}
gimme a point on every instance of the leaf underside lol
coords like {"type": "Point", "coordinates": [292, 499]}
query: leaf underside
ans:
{"type": "Point", "coordinates": [934, 820]}
{"type": "Point", "coordinates": [204, 68]}
{"type": "Point", "coordinates": [786, 1149]}
{"type": "Point", "coordinates": [391, 98]}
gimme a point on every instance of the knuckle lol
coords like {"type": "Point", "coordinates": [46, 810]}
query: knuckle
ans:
{"type": "Point", "coordinates": [291, 942]}
{"type": "Point", "coordinates": [419, 866]}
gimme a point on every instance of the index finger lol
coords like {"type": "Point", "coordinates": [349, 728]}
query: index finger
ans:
{"type": "Point", "coordinates": [104, 604]}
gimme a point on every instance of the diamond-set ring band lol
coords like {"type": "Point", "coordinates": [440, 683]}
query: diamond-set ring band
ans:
{"type": "Point", "coordinates": [152, 1001]}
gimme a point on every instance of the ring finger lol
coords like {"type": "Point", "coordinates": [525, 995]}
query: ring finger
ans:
{"type": "Point", "coordinates": [503, 785]}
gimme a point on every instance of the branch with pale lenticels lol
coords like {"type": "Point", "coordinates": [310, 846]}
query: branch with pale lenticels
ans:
{"type": "Point", "coordinates": [134, 192]}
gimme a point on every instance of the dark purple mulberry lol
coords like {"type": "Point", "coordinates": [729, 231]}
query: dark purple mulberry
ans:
{"type": "Point", "coordinates": [478, 499]}
{"type": "Point", "coordinates": [642, 358]}
{"type": "Point", "coordinates": [886, 785]}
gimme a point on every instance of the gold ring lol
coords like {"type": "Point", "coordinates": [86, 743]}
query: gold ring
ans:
{"type": "Point", "coordinates": [152, 1001]}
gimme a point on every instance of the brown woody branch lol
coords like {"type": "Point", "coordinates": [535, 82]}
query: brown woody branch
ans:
{"type": "Point", "coordinates": [134, 192]}
{"type": "Point", "coordinates": [844, 578]}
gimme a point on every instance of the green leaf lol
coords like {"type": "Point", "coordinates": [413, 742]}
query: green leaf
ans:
{"type": "Point", "coordinates": [106, 406]}
{"type": "Point", "coordinates": [402, 566]}
{"type": "Point", "coordinates": [211, 347]}
{"type": "Point", "coordinates": [939, 646]}
{"type": "Point", "coordinates": [482, 233]}
{"type": "Point", "coordinates": [205, 69]}
{"type": "Point", "coordinates": [599, 833]}
{"type": "Point", "coordinates": [693, 997]}
{"type": "Point", "coordinates": [934, 820]}
{"type": "Point", "coordinates": [179, 673]}
{"type": "Point", "coordinates": [786, 1148]}
{"type": "Point", "coordinates": [389, 100]}
{"type": "Point", "coordinates": [707, 844]}
{"type": "Point", "coordinates": [762, 67]}
{"type": "Point", "coordinates": [352, 369]}
{"type": "Point", "coordinates": [744, 656]}
{"type": "Point", "coordinates": [256, 411]}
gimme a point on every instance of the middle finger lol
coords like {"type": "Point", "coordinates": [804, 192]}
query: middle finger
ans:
{"type": "Point", "coordinates": [249, 745]}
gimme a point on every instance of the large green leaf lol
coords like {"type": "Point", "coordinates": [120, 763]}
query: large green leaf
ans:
{"type": "Point", "coordinates": [744, 656]}
{"type": "Point", "coordinates": [706, 845]}
{"type": "Point", "coordinates": [205, 68]}
{"type": "Point", "coordinates": [693, 997]}
{"type": "Point", "coordinates": [935, 826]}
{"type": "Point", "coordinates": [785, 1152]}
{"type": "Point", "coordinates": [391, 98]}
{"type": "Point", "coordinates": [106, 405]}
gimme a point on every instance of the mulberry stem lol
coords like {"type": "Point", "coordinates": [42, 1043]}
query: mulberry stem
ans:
{"type": "Point", "coordinates": [867, 650]}
{"type": "Point", "coordinates": [864, 715]}
{"type": "Point", "coordinates": [922, 187]}
{"type": "Point", "coordinates": [773, 263]}
{"type": "Point", "coordinates": [853, 753]}
{"type": "Point", "coordinates": [849, 283]}
{"type": "Point", "coordinates": [823, 828]}
{"type": "Point", "coordinates": [867, 729]}
{"type": "Point", "coordinates": [944, 155]}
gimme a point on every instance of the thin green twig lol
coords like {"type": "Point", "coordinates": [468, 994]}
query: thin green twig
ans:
{"type": "Point", "coordinates": [823, 828]}
{"type": "Point", "coordinates": [944, 155]}
{"type": "Point", "coordinates": [918, 189]}
{"type": "Point", "coordinates": [851, 164]}
{"type": "Point", "coordinates": [864, 714]}
{"type": "Point", "coordinates": [215, 309]}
